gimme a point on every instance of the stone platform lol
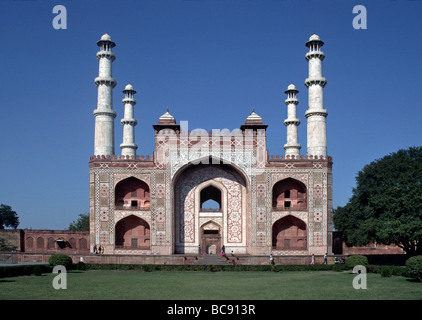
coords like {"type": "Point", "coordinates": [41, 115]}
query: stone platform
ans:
{"type": "Point", "coordinates": [177, 259]}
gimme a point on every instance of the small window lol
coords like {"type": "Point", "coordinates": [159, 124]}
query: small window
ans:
{"type": "Point", "coordinates": [134, 242]}
{"type": "Point", "coordinates": [287, 204]}
{"type": "Point", "coordinates": [210, 231]}
{"type": "Point", "coordinates": [287, 194]}
{"type": "Point", "coordinates": [134, 203]}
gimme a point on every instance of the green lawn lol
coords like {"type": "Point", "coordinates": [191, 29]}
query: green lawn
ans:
{"type": "Point", "coordinates": [199, 285]}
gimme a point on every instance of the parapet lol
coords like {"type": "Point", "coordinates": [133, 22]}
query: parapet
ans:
{"type": "Point", "coordinates": [120, 158]}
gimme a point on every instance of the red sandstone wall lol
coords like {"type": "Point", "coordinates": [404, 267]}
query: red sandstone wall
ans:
{"type": "Point", "coordinates": [372, 249]}
{"type": "Point", "coordinates": [55, 241]}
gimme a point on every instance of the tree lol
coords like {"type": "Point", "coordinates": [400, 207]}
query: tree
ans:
{"type": "Point", "coordinates": [81, 224]}
{"type": "Point", "coordinates": [6, 245]}
{"type": "Point", "coordinates": [386, 205]}
{"type": "Point", "coordinates": [8, 217]}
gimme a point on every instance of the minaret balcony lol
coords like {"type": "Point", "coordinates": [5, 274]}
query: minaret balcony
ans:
{"type": "Point", "coordinates": [311, 81]}
{"type": "Point", "coordinates": [106, 54]}
{"type": "Point", "coordinates": [292, 101]}
{"type": "Point", "coordinates": [314, 54]}
{"type": "Point", "coordinates": [132, 122]}
{"type": "Point", "coordinates": [292, 146]}
{"type": "Point", "coordinates": [129, 100]}
{"type": "Point", "coordinates": [105, 80]}
{"type": "Point", "coordinates": [296, 122]}
{"type": "Point", "coordinates": [321, 112]}
{"type": "Point", "coordinates": [110, 113]}
{"type": "Point", "coordinates": [129, 146]}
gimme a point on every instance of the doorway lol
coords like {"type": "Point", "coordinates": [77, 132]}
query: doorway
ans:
{"type": "Point", "coordinates": [211, 238]}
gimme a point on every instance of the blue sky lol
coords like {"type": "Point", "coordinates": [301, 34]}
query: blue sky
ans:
{"type": "Point", "coordinates": [210, 62]}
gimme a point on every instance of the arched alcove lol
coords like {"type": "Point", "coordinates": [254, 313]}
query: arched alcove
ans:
{"type": "Point", "coordinates": [132, 194]}
{"type": "Point", "coordinates": [289, 233]}
{"type": "Point", "coordinates": [289, 194]}
{"type": "Point", "coordinates": [29, 244]}
{"type": "Point", "coordinates": [133, 233]}
{"type": "Point", "coordinates": [40, 243]}
{"type": "Point", "coordinates": [83, 244]}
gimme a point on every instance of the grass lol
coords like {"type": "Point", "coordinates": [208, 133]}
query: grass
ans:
{"type": "Point", "coordinates": [200, 285]}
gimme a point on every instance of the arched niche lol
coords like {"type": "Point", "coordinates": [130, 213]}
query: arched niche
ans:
{"type": "Point", "coordinates": [289, 233]}
{"type": "Point", "coordinates": [289, 194]}
{"type": "Point", "coordinates": [132, 194]}
{"type": "Point", "coordinates": [132, 233]}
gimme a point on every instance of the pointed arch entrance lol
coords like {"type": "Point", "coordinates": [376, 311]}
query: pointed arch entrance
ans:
{"type": "Point", "coordinates": [210, 235]}
{"type": "Point", "coordinates": [223, 184]}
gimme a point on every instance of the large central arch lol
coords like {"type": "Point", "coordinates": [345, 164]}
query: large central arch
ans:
{"type": "Point", "coordinates": [230, 184]}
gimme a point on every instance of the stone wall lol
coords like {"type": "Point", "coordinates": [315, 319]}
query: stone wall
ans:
{"type": "Point", "coordinates": [47, 241]}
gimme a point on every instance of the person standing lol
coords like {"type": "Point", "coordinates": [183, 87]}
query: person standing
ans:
{"type": "Point", "coordinates": [325, 258]}
{"type": "Point", "coordinates": [313, 259]}
{"type": "Point", "coordinates": [271, 259]}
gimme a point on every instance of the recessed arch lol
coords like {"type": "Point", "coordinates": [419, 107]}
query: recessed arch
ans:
{"type": "Point", "coordinates": [132, 232]}
{"type": "Point", "coordinates": [72, 243]}
{"type": "Point", "coordinates": [29, 243]}
{"type": "Point", "coordinates": [83, 244]}
{"type": "Point", "coordinates": [210, 225]}
{"type": "Point", "coordinates": [51, 243]}
{"type": "Point", "coordinates": [188, 216]}
{"type": "Point", "coordinates": [210, 234]}
{"type": "Point", "coordinates": [40, 243]}
{"type": "Point", "coordinates": [132, 194]}
{"type": "Point", "coordinates": [289, 233]}
{"type": "Point", "coordinates": [210, 161]}
{"type": "Point", "coordinates": [289, 194]}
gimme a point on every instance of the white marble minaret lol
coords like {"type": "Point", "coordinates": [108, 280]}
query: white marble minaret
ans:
{"type": "Point", "coordinates": [128, 146]}
{"type": "Point", "coordinates": [104, 114]}
{"type": "Point", "coordinates": [292, 146]}
{"type": "Point", "coordinates": [316, 114]}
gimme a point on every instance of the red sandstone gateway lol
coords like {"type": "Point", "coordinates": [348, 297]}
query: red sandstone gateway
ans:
{"type": "Point", "coordinates": [158, 205]}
